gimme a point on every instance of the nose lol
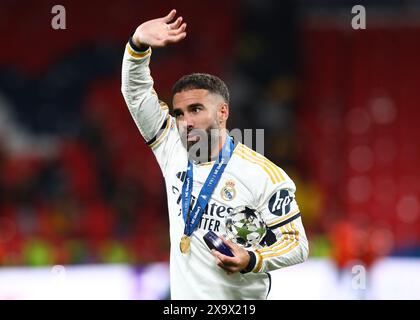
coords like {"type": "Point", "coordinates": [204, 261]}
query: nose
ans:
{"type": "Point", "coordinates": [188, 119]}
{"type": "Point", "coordinates": [185, 126]}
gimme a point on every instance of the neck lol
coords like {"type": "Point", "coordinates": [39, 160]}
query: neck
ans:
{"type": "Point", "coordinates": [214, 153]}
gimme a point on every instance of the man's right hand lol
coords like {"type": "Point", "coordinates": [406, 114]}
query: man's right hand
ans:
{"type": "Point", "coordinates": [159, 32]}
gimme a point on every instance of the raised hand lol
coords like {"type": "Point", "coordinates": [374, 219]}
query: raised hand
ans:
{"type": "Point", "coordinates": [161, 31]}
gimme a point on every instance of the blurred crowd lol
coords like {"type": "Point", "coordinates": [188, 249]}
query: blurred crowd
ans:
{"type": "Point", "coordinates": [78, 184]}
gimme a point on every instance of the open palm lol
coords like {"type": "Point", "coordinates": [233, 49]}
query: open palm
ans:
{"type": "Point", "coordinates": [161, 31]}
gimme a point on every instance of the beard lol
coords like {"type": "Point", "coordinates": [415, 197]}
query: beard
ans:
{"type": "Point", "coordinates": [200, 142]}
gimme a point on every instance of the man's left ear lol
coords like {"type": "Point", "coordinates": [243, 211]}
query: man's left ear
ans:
{"type": "Point", "coordinates": [223, 112]}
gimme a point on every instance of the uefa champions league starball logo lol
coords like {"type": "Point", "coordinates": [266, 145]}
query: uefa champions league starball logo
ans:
{"type": "Point", "coordinates": [244, 226]}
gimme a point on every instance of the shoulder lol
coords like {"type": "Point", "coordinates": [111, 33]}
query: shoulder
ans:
{"type": "Point", "coordinates": [258, 167]}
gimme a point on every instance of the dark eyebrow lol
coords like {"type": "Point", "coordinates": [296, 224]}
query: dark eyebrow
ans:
{"type": "Point", "coordinates": [190, 106]}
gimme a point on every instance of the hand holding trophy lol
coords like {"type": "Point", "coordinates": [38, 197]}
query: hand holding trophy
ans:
{"type": "Point", "coordinates": [244, 227]}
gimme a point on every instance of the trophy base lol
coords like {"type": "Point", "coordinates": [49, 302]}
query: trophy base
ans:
{"type": "Point", "coordinates": [214, 242]}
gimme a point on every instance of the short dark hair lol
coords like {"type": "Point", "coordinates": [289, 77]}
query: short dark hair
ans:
{"type": "Point", "coordinates": [202, 81]}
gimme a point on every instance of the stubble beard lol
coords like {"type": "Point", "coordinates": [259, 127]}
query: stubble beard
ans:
{"type": "Point", "coordinates": [208, 140]}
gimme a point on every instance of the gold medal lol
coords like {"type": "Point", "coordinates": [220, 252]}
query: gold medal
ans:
{"type": "Point", "coordinates": [184, 245]}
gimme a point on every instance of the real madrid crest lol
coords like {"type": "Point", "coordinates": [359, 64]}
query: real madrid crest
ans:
{"type": "Point", "coordinates": [228, 192]}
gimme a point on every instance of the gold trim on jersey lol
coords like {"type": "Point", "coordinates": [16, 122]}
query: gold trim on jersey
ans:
{"type": "Point", "coordinates": [162, 104]}
{"type": "Point", "coordinates": [258, 264]}
{"type": "Point", "coordinates": [293, 244]}
{"type": "Point", "coordinates": [296, 231]}
{"type": "Point", "coordinates": [281, 243]}
{"type": "Point", "coordinates": [240, 154]}
{"type": "Point", "coordinates": [163, 134]}
{"type": "Point", "coordinates": [280, 220]}
{"type": "Point", "coordinates": [270, 168]}
{"type": "Point", "coordinates": [288, 241]}
{"type": "Point", "coordinates": [137, 55]}
{"type": "Point", "coordinates": [274, 168]}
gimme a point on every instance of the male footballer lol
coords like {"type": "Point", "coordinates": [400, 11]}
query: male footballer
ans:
{"type": "Point", "coordinates": [204, 187]}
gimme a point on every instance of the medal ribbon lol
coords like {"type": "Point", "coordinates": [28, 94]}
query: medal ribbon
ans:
{"type": "Point", "coordinates": [193, 218]}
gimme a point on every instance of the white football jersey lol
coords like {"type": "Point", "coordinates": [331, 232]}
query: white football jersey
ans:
{"type": "Point", "coordinates": [249, 179]}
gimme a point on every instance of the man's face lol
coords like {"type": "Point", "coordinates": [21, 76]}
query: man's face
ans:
{"type": "Point", "coordinates": [199, 116]}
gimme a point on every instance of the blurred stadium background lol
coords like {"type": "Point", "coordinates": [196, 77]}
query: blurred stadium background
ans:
{"type": "Point", "coordinates": [82, 203]}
